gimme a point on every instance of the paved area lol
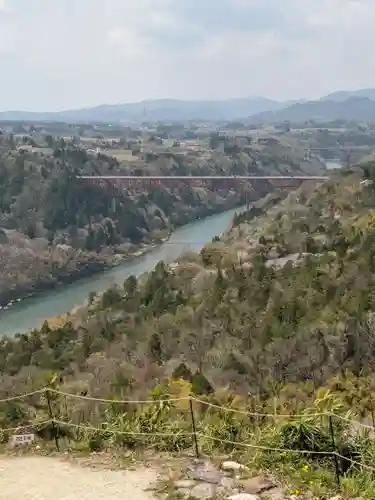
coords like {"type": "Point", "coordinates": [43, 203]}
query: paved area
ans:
{"type": "Point", "coordinates": [43, 478]}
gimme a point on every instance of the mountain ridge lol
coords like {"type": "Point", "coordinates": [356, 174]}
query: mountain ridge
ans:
{"type": "Point", "coordinates": [343, 95]}
{"type": "Point", "coordinates": [353, 108]}
{"type": "Point", "coordinates": [158, 109]}
{"type": "Point", "coordinates": [356, 104]}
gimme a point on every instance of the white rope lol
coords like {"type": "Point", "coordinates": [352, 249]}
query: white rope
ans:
{"type": "Point", "coordinates": [355, 462]}
{"type": "Point", "coordinates": [252, 414]}
{"type": "Point", "coordinates": [357, 422]}
{"type": "Point", "coordinates": [21, 396]}
{"type": "Point", "coordinates": [266, 448]}
{"type": "Point", "coordinates": [186, 398]}
{"type": "Point", "coordinates": [125, 433]}
{"type": "Point", "coordinates": [117, 401]}
{"type": "Point", "coordinates": [23, 427]}
{"type": "Point", "coordinates": [190, 434]}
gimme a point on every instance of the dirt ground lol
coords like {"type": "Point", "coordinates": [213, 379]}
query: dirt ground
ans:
{"type": "Point", "coordinates": [49, 478]}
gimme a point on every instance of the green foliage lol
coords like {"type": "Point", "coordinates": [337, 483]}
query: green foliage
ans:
{"type": "Point", "coordinates": [200, 385]}
{"type": "Point", "coordinates": [182, 372]}
{"type": "Point", "coordinates": [304, 434]}
{"type": "Point", "coordinates": [95, 441]}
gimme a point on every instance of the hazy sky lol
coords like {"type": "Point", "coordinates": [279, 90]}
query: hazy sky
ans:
{"type": "Point", "coordinates": [60, 54]}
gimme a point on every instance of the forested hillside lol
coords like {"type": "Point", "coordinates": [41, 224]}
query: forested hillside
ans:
{"type": "Point", "coordinates": [55, 227]}
{"type": "Point", "coordinates": [286, 296]}
{"type": "Point", "coordinates": [277, 316]}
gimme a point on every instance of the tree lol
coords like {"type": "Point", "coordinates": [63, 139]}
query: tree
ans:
{"type": "Point", "coordinates": [155, 348]}
{"type": "Point", "coordinates": [130, 285]}
{"type": "Point", "coordinates": [49, 141]}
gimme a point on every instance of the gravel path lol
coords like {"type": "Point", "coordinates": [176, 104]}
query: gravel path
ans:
{"type": "Point", "coordinates": [43, 478]}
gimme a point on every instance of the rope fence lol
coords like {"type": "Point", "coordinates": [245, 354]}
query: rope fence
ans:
{"type": "Point", "coordinates": [252, 414]}
{"type": "Point", "coordinates": [23, 396]}
{"type": "Point", "coordinates": [58, 424]}
{"type": "Point", "coordinates": [112, 401]}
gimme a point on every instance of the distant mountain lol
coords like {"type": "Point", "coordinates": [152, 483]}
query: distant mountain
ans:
{"type": "Point", "coordinates": [343, 104]}
{"type": "Point", "coordinates": [156, 110]}
{"type": "Point", "coordinates": [344, 95]}
{"type": "Point", "coordinates": [353, 108]}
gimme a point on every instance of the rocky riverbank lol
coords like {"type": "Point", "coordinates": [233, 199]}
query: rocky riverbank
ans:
{"type": "Point", "coordinates": [84, 266]}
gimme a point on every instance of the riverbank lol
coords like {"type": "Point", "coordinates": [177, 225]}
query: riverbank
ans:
{"type": "Point", "coordinates": [84, 269]}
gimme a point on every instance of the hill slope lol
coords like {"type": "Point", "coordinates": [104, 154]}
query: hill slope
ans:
{"type": "Point", "coordinates": [353, 108]}
{"type": "Point", "coordinates": [253, 326]}
{"type": "Point", "coordinates": [251, 315]}
{"type": "Point", "coordinates": [343, 95]}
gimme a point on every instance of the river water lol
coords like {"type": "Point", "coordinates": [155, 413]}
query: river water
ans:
{"type": "Point", "coordinates": [31, 312]}
{"type": "Point", "coordinates": [333, 165]}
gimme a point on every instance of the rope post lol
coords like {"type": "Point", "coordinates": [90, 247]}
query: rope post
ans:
{"type": "Point", "coordinates": [337, 468]}
{"type": "Point", "coordinates": [66, 407]}
{"type": "Point", "coordinates": [194, 428]}
{"type": "Point", "coordinates": [373, 422]}
{"type": "Point", "coordinates": [372, 411]}
{"type": "Point", "coordinates": [53, 420]}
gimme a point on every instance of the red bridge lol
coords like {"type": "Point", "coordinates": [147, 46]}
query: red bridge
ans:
{"type": "Point", "coordinates": [246, 184]}
{"type": "Point", "coordinates": [221, 182]}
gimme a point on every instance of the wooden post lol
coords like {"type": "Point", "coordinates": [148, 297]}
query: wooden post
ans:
{"type": "Point", "coordinates": [337, 468]}
{"type": "Point", "coordinates": [372, 411]}
{"type": "Point", "coordinates": [53, 421]}
{"type": "Point", "coordinates": [194, 428]}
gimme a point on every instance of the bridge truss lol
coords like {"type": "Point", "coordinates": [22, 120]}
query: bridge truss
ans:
{"type": "Point", "coordinates": [247, 186]}
{"type": "Point", "coordinates": [217, 181]}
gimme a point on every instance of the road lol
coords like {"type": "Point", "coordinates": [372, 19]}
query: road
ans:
{"type": "Point", "coordinates": [45, 478]}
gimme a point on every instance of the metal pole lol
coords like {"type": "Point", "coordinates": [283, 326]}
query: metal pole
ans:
{"type": "Point", "coordinates": [194, 428]}
{"type": "Point", "coordinates": [53, 420]}
{"type": "Point", "coordinates": [337, 468]}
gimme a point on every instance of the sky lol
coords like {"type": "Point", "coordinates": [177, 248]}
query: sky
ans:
{"type": "Point", "coordinates": [66, 54]}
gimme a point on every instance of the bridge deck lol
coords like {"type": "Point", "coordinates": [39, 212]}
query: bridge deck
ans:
{"type": "Point", "coordinates": [203, 177]}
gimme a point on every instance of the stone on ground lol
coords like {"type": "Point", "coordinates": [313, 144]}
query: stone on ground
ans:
{"type": "Point", "coordinates": [275, 494]}
{"type": "Point", "coordinates": [257, 484]}
{"type": "Point", "coordinates": [232, 466]}
{"type": "Point", "coordinates": [205, 481]}
{"type": "Point", "coordinates": [203, 491]}
{"type": "Point", "coordinates": [244, 496]}
{"type": "Point", "coordinates": [185, 483]}
{"type": "Point", "coordinates": [206, 472]}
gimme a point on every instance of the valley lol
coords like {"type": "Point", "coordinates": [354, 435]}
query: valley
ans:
{"type": "Point", "coordinates": [187, 250]}
{"type": "Point", "coordinates": [263, 308]}
{"type": "Point", "coordinates": [57, 229]}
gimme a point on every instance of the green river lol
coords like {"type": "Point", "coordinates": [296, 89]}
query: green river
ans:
{"type": "Point", "coordinates": [31, 312]}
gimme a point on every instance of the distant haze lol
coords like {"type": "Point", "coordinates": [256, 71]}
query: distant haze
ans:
{"type": "Point", "coordinates": [66, 54]}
